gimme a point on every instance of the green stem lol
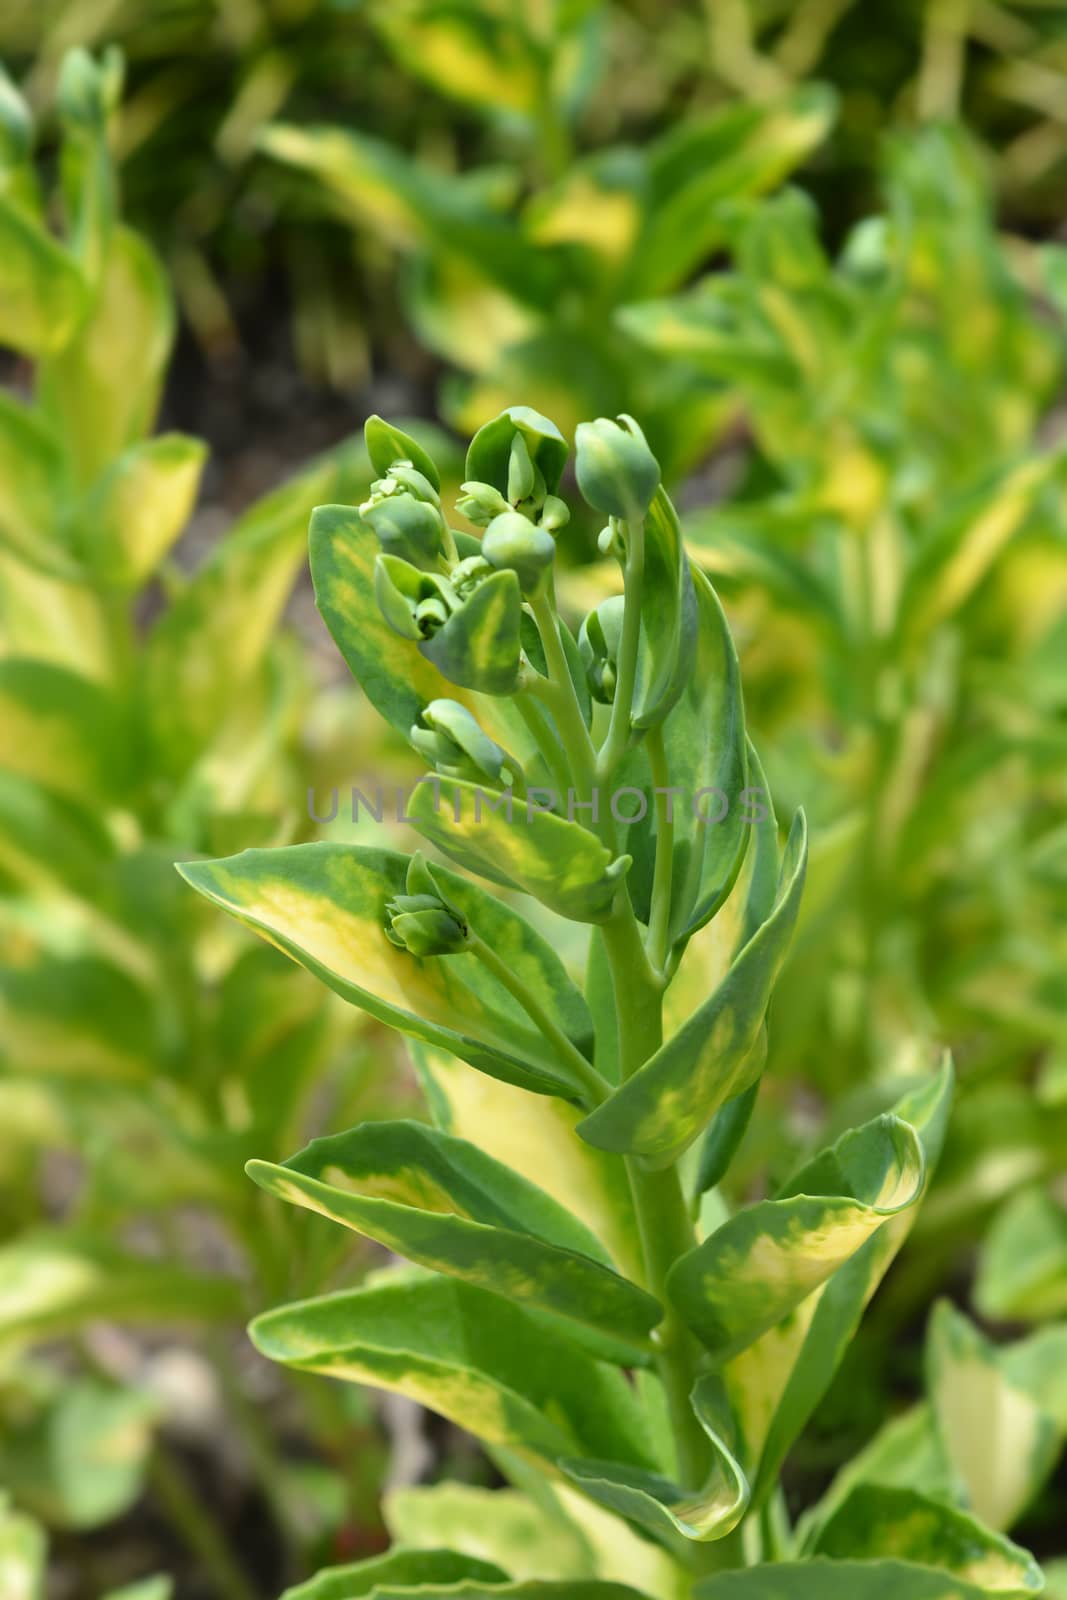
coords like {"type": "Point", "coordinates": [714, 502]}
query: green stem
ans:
{"type": "Point", "coordinates": [663, 1222]}
{"type": "Point", "coordinates": [559, 694]}
{"type": "Point", "coordinates": [659, 926]}
{"type": "Point", "coordinates": [544, 737]}
{"type": "Point", "coordinates": [198, 1528]}
{"type": "Point", "coordinates": [596, 1088]}
{"type": "Point", "coordinates": [618, 736]}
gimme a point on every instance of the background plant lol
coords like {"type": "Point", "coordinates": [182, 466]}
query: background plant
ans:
{"type": "Point", "coordinates": [147, 712]}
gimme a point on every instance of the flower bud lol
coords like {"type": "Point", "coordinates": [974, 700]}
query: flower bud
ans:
{"type": "Point", "coordinates": [480, 503]}
{"type": "Point", "coordinates": [490, 458]}
{"type": "Point", "coordinates": [513, 543]}
{"type": "Point", "coordinates": [555, 513]}
{"type": "Point", "coordinates": [521, 475]}
{"type": "Point", "coordinates": [413, 482]}
{"type": "Point", "coordinates": [617, 472]}
{"type": "Point", "coordinates": [422, 921]}
{"type": "Point", "coordinates": [88, 91]}
{"type": "Point", "coordinates": [599, 639]}
{"type": "Point", "coordinates": [452, 741]}
{"type": "Point", "coordinates": [409, 528]}
{"type": "Point", "coordinates": [414, 603]}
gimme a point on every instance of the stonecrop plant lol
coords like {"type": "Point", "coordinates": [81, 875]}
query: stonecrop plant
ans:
{"type": "Point", "coordinates": [636, 1357]}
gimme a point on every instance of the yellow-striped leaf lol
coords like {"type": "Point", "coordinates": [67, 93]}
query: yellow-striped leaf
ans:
{"type": "Point", "coordinates": [655, 1503]}
{"type": "Point", "coordinates": [324, 905]}
{"type": "Point", "coordinates": [443, 1203]}
{"type": "Point", "coordinates": [900, 1523]}
{"type": "Point", "coordinates": [763, 1262]}
{"type": "Point", "coordinates": [486, 1364]}
{"type": "Point", "coordinates": [999, 1443]}
{"type": "Point", "coordinates": [557, 861]}
{"type": "Point", "coordinates": [42, 292]}
{"type": "Point", "coordinates": [409, 1568]}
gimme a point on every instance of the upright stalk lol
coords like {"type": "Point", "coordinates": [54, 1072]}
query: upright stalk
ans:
{"type": "Point", "coordinates": [663, 1221]}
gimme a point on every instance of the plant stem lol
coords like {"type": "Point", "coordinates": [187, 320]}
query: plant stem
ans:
{"type": "Point", "coordinates": [544, 736]}
{"type": "Point", "coordinates": [618, 735]}
{"type": "Point", "coordinates": [659, 926]}
{"type": "Point", "coordinates": [199, 1530]}
{"type": "Point", "coordinates": [596, 1088]}
{"type": "Point", "coordinates": [663, 1221]}
{"type": "Point", "coordinates": [559, 694]}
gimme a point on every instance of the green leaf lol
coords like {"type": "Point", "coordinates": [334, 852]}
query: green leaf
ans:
{"type": "Point", "coordinates": [905, 1453]}
{"type": "Point", "coordinates": [484, 58]}
{"type": "Point", "coordinates": [666, 1104]}
{"type": "Point", "coordinates": [902, 1524]}
{"type": "Point", "coordinates": [484, 1363]}
{"type": "Point", "coordinates": [158, 1587]}
{"type": "Point", "coordinates": [1022, 1272]}
{"type": "Point", "coordinates": [212, 640]}
{"type": "Point", "coordinates": [387, 444]}
{"type": "Point", "coordinates": [23, 1555]}
{"type": "Point", "coordinates": [47, 840]}
{"type": "Point", "coordinates": [500, 1525]}
{"type": "Point", "coordinates": [776, 1384]}
{"type": "Point", "coordinates": [535, 1138]}
{"type": "Point", "coordinates": [839, 1580]}
{"type": "Point", "coordinates": [759, 1265]}
{"type": "Point", "coordinates": [478, 647]}
{"type": "Point", "coordinates": [42, 291]}
{"type": "Point", "coordinates": [101, 390]}
{"type": "Point", "coordinates": [409, 1568]}
{"type": "Point", "coordinates": [1038, 1365]}
{"type": "Point", "coordinates": [967, 540]}
{"type": "Point", "coordinates": [31, 483]}
{"type": "Point", "coordinates": [659, 1505]}
{"type": "Point", "coordinates": [139, 507]}
{"type": "Point", "coordinates": [534, 1590]}
{"type": "Point", "coordinates": [398, 681]}
{"type": "Point", "coordinates": [51, 1282]}
{"type": "Point", "coordinates": [80, 1460]}
{"type": "Point", "coordinates": [442, 1203]}
{"type": "Point", "coordinates": [999, 1443]}
{"type": "Point", "coordinates": [704, 743]}
{"type": "Point", "coordinates": [669, 618]}
{"type": "Point", "coordinates": [324, 905]}
{"type": "Point", "coordinates": [63, 730]}
{"type": "Point", "coordinates": [557, 861]}
{"type": "Point", "coordinates": [703, 163]}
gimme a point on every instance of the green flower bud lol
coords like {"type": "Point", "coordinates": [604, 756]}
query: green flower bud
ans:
{"type": "Point", "coordinates": [555, 513]}
{"type": "Point", "coordinates": [617, 472]}
{"type": "Point", "coordinates": [414, 603]}
{"type": "Point", "coordinates": [88, 91]}
{"type": "Point", "coordinates": [599, 639]}
{"type": "Point", "coordinates": [480, 503]}
{"type": "Point", "coordinates": [387, 445]}
{"type": "Point", "coordinates": [489, 459]}
{"type": "Point", "coordinates": [451, 740]}
{"type": "Point", "coordinates": [468, 574]}
{"type": "Point", "coordinates": [409, 528]}
{"type": "Point", "coordinates": [512, 543]}
{"type": "Point", "coordinates": [422, 921]}
{"type": "Point", "coordinates": [413, 482]}
{"type": "Point", "coordinates": [521, 477]}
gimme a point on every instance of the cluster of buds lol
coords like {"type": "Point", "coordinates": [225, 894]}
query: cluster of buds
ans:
{"type": "Point", "coordinates": [421, 921]}
{"type": "Point", "coordinates": [460, 599]}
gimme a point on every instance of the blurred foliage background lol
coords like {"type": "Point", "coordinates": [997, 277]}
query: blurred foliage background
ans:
{"type": "Point", "coordinates": [817, 248]}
